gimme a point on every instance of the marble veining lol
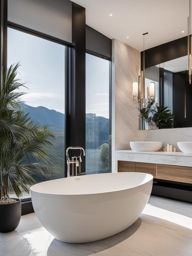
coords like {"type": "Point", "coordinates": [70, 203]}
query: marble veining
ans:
{"type": "Point", "coordinates": [170, 158]}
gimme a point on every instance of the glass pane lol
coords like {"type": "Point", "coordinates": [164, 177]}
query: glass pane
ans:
{"type": "Point", "coordinates": [97, 115]}
{"type": "Point", "coordinates": [42, 68]}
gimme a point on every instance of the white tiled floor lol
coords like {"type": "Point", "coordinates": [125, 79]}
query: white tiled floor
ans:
{"type": "Point", "coordinates": [164, 229]}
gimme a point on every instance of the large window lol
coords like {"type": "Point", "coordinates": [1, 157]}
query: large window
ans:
{"type": "Point", "coordinates": [42, 68]}
{"type": "Point", "coordinates": [97, 115]}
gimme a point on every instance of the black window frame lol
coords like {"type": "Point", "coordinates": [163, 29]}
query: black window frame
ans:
{"type": "Point", "coordinates": [27, 202]}
{"type": "Point", "coordinates": [110, 99]}
{"type": "Point", "coordinates": [72, 49]}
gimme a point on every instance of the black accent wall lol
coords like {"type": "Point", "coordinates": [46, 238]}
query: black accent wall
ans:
{"type": "Point", "coordinates": [182, 95]}
{"type": "Point", "coordinates": [165, 52]}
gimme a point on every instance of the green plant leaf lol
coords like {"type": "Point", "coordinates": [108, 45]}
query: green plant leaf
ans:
{"type": "Point", "coordinates": [23, 147]}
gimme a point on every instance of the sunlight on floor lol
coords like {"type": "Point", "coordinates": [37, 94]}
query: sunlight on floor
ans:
{"type": "Point", "coordinates": [36, 243]}
{"type": "Point", "coordinates": [173, 217]}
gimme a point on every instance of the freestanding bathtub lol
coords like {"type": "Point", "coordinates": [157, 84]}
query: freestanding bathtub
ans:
{"type": "Point", "coordinates": [92, 207]}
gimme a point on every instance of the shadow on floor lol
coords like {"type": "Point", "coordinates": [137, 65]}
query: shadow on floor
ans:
{"type": "Point", "coordinates": [58, 248]}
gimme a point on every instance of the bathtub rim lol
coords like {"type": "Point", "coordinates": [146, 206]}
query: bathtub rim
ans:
{"type": "Point", "coordinates": [149, 179]}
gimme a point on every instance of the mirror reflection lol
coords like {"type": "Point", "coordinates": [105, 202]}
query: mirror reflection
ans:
{"type": "Point", "coordinates": [167, 95]}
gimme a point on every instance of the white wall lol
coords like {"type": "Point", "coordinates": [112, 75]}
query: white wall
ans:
{"type": "Point", "coordinates": [125, 112]}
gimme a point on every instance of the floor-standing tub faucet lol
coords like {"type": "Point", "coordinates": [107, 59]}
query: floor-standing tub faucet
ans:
{"type": "Point", "coordinates": [74, 163]}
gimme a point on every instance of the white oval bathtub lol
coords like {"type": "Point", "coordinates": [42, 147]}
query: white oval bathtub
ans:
{"type": "Point", "coordinates": [92, 207]}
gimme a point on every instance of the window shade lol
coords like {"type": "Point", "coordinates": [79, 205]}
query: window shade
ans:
{"type": "Point", "coordinates": [52, 17]}
{"type": "Point", "coordinates": [98, 43]}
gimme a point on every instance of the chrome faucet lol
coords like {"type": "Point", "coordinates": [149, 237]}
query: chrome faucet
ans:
{"type": "Point", "coordinates": [74, 163]}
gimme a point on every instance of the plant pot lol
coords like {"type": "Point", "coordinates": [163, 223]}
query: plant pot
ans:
{"type": "Point", "coordinates": [10, 215]}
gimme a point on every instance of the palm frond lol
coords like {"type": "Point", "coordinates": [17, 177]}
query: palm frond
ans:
{"type": "Point", "coordinates": [23, 147]}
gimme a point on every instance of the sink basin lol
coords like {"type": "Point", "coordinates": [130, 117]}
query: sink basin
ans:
{"type": "Point", "coordinates": [145, 146]}
{"type": "Point", "coordinates": [185, 146]}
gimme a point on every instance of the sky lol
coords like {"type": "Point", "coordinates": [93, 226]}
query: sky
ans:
{"type": "Point", "coordinates": [42, 65]}
{"type": "Point", "coordinates": [97, 85]}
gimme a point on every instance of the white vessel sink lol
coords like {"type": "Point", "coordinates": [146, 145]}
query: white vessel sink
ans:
{"type": "Point", "coordinates": [145, 146]}
{"type": "Point", "coordinates": [185, 146]}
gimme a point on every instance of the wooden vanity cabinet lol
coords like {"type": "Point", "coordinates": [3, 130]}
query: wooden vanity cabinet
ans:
{"type": "Point", "coordinates": [159, 171]}
{"type": "Point", "coordinates": [174, 173]}
{"type": "Point", "coordinates": [125, 166]}
{"type": "Point", "coordinates": [147, 168]}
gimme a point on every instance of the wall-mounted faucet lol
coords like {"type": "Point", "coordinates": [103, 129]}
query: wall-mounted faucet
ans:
{"type": "Point", "coordinates": [74, 163]}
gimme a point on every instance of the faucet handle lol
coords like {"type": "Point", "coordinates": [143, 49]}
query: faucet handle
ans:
{"type": "Point", "coordinates": [77, 162]}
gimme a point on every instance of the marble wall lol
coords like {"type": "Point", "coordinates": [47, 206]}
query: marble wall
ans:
{"type": "Point", "coordinates": [125, 127]}
{"type": "Point", "coordinates": [125, 112]}
{"type": "Point", "coordinates": [126, 68]}
{"type": "Point", "coordinates": [170, 136]}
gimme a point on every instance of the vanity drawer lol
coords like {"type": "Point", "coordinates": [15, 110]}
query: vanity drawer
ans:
{"type": "Point", "coordinates": [174, 173]}
{"type": "Point", "coordinates": [146, 168]}
{"type": "Point", "coordinates": [126, 166]}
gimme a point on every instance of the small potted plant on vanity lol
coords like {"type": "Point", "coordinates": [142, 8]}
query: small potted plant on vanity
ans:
{"type": "Point", "coordinates": [22, 150]}
{"type": "Point", "coordinates": [157, 117]}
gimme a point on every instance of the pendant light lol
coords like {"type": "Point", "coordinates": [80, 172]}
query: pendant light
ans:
{"type": "Point", "coordinates": [142, 76]}
{"type": "Point", "coordinates": [139, 86]}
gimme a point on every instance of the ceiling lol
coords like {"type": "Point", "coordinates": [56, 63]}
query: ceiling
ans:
{"type": "Point", "coordinates": [165, 20]}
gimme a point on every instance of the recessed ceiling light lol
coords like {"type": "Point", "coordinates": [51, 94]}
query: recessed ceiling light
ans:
{"type": "Point", "coordinates": [111, 15]}
{"type": "Point", "coordinates": [183, 31]}
{"type": "Point", "coordinates": [127, 37]}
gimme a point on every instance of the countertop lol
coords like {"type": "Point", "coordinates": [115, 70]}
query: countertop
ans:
{"type": "Point", "coordinates": [170, 158]}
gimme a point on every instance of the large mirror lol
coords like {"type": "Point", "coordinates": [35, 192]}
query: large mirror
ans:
{"type": "Point", "coordinates": [167, 95]}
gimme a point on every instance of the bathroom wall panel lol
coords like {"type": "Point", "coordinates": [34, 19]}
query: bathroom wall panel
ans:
{"type": "Point", "coordinates": [126, 62]}
{"type": "Point", "coordinates": [125, 124]}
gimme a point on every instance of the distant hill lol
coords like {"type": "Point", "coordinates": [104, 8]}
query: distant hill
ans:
{"type": "Point", "coordinates": [97, 128]}
{"type": "Point", "coordinates": [45, 117]}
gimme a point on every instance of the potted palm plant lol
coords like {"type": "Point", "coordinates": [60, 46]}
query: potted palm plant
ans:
{"type": "Point", "coordinates": [157, 116]}
{"type": "Point", "coordinates": [22, 150]}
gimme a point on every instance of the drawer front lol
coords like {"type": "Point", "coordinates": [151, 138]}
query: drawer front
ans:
{"type": "Point", "coordinates": [126, 166]}
{"type": "Point", "coordinates": [146, 168]}
{"type": "Point", "coordinates": [174, 173]}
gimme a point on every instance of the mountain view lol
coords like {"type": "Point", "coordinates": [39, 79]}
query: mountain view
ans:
{"type": "Point", "coordinates": [97, 134]}
{"type": "Point", "coordinates": [97, 128]}
{"type": "Point", "coordinates": [46, 117]}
